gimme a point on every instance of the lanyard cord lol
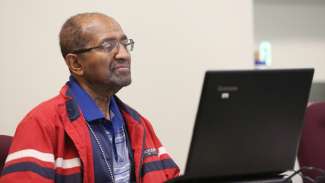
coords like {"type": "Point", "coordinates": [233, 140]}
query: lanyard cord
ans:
{"type": "Point", "coordinates": [102, 152]}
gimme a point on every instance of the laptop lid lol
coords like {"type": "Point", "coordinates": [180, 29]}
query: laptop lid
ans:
{"type": "Point", "coordinates": [248, 122]}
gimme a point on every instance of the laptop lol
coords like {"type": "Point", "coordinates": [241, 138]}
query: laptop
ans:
{"type": "Point", "coordinates": [248, 125]}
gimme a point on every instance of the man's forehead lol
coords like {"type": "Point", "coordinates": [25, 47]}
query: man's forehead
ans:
{"type": "Point", "coordinates": [97, 22]}
{"type": "Point", "coordinates": [101, 26]}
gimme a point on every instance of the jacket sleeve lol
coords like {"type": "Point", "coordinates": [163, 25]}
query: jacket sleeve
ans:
{"type": "Point", "coordinates": [30, 157]}
{"type": "Point", "coordinates": [167, 164]}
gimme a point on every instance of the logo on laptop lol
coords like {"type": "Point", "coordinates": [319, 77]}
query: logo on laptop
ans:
{"type": "Point", "coordinates": [225, 91]}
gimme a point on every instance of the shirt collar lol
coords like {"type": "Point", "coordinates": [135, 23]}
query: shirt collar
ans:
{"type": "Point", "coordinates": [116, 115]}
{"type": "Point", "coordinates": [87, 105]}
{"type": "Point", "coordinates": [89, 108]}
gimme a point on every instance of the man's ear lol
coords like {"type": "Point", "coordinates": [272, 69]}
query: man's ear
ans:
{"type": "Point", "coordinates": [73, 62]}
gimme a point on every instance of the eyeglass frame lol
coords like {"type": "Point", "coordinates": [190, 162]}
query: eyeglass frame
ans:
{"type": "Point", "coordinates": [117, 45]}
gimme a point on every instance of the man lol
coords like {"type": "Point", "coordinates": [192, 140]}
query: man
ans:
{"type": "Point", "coordinates": [86, 134]}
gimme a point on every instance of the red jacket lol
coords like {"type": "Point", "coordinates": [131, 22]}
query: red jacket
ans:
{"type": "Point", "coordinates": [52, 144]}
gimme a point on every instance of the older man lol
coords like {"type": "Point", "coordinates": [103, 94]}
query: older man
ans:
{"type": "Point", "coordinates": [86, 134]}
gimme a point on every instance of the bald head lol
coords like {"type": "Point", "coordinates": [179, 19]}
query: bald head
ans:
{"type": "Point", "coordinates": [76, 32]}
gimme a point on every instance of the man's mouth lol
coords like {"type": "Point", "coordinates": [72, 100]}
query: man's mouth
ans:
{"type": "Point", "coordinates": [122, 68]}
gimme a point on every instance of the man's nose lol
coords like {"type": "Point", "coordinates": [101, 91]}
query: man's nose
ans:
{"type": "Point", "coordinates": [122, 52]}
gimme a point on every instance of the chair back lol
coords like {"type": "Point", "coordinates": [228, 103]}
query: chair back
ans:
{"type": "Point", "coordinates": [5, 142]}
{"type": "Point", "coordinates": [312, 144]}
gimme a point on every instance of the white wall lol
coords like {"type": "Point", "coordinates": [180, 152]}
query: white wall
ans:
{"type": "Point", "coordinates": [296, 29]}
{"type": "Point", "coordinates": [176, 41]}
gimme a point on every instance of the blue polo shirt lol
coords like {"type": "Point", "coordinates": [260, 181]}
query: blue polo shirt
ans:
{"type": "Point", "coordinates": [109, 137]}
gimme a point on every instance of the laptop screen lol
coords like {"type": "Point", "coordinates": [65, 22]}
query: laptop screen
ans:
{"type": "Point", "coordinates": [248, 122]}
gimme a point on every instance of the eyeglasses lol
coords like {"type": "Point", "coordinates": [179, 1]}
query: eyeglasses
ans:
{"type": "Point", "coordinates": [108, 46]}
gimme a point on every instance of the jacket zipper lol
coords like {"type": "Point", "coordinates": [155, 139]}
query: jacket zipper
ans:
{"type": "Point", "coordinates": [141, 158]}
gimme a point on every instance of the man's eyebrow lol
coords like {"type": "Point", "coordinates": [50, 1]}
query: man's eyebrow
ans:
{"type": "Point", "coordinates": [107, 40]}
{"type": "Point", "coordinates": [123, 37]}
